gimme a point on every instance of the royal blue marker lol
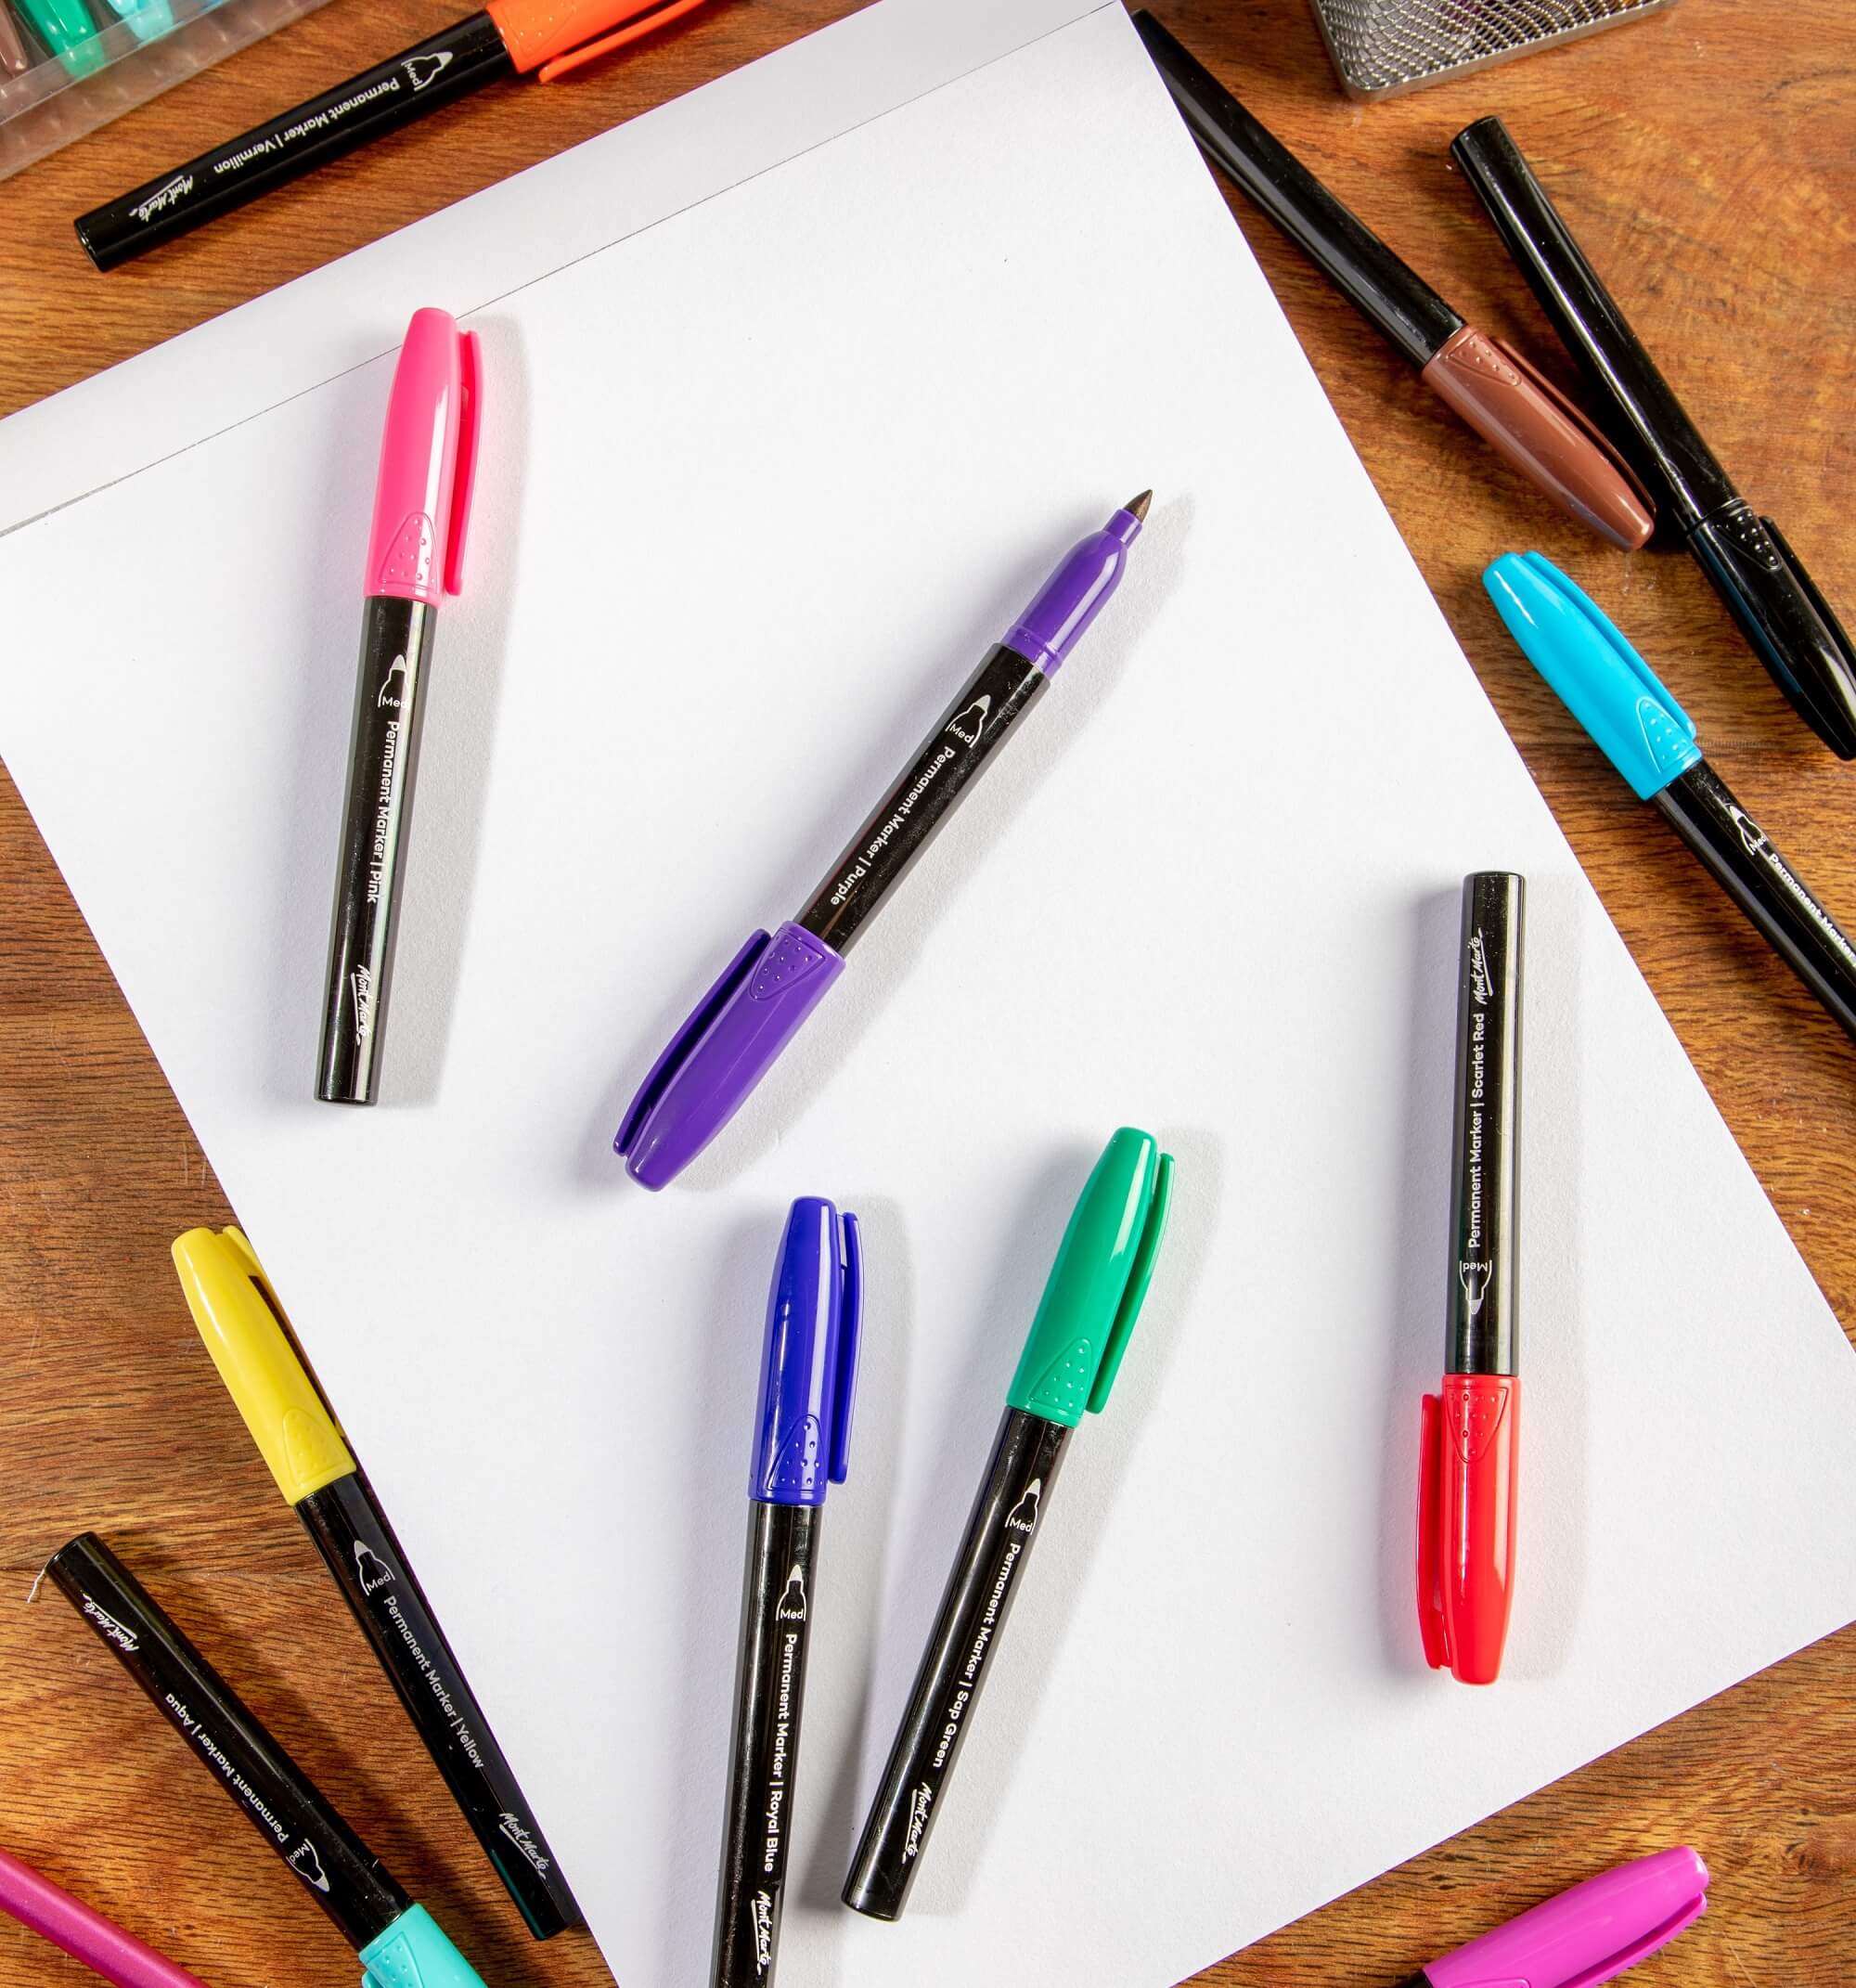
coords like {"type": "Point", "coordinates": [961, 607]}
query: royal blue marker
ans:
{"type": "Point", "coordinates": [801, 1438]}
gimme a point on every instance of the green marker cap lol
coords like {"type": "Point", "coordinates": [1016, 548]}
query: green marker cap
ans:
{"type": "Point", "coordinates": [1103, 1267]}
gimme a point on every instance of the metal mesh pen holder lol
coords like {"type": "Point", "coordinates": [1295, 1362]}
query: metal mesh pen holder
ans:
{"type": "Point", "coordinates": [1381, 46]}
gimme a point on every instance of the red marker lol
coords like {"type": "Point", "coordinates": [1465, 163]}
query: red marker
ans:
{"type": "Point", "coordinates": [1466, 1480]}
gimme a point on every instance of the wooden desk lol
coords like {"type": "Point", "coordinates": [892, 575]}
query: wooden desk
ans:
{"type": "Point", "coordinates": [1709, 157]}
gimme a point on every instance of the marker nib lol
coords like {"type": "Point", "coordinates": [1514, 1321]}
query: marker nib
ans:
{"type": "Point", "coordinates": [1137, 506]}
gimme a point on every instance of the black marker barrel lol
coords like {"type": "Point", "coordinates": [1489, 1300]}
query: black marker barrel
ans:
{"type": "Point", "coordinates": [978, 1598]}
{"type": "Point", "coordinates": [764, 1757]}
{"type": "Point", "coordinates": [382, 760]}
{"type": "Point", "coordinates": [459, 58]}
{"type": "Point", "coordinates": [1740, 854]}
{"type": "Point", "coordinates": [353, 1535]}
{"type": "Point", "coordinates": [1480, 1335]}
{"type": "Point", "coordinates": [909, 816]}
{"type": "Point", "coordinates": [267, 1786]}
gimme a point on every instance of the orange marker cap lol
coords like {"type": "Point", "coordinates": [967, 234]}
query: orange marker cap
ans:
{"type": "Point", "coordinates": [557, 35]}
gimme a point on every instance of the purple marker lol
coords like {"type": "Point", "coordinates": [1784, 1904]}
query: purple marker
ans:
{"type": "Point", "coordinates": [740, 1027]}
{"type": "Point", "coordinates": [1589, 1935]}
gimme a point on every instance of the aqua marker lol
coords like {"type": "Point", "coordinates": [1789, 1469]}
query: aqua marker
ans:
{"type": "Point", "coordinates": [400, 1944]}
{"type": "Point", "coordinates": [1067, 1368]}
{"type": "Point", "coordinates": [1650, 738]}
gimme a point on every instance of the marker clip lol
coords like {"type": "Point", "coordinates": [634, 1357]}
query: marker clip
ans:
{"type": "Point", "coordinates": [850, 1345]}
{"type": "Point", "coordinates": [1431, 1627]}
{"type": "Point", "coordinates": [464, 476]}
{"type": "Point", "coordinates": [635, 31]}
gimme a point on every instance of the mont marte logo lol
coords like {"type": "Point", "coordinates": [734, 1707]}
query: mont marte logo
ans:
{"type": "Point", "coordinates": [761, 1904]}
{"type": "Point", "coordinates": [792, 1604]}
{"type": "Point", "coordinates": [120, 1634]}
{"type": "Point", "coordinates": [967, 725]}
{"type": "Point", "coordinates": [374, 1572]}
{"type": "Point", "coordinates": [512, 1826]}
{"type": "Point", "coordinates": [423, 68]}
{"type": "Point", "coordinates": [175, 190]}
{"type": "Point", "coordinates": [361, 987]}
{"type": "Point", "coordinates": [1473, 1277]}
{"type": "Point", "coordinates": [392, 685]}
{"type": "Point", "coordinates": [304, 1862]}
{"type": "Point", "coordinates": [919, 1800]}
{"type": "Point", "coordinates": [1480, 984]}
{"type": "Point", "coordinates": [1023, 1517]}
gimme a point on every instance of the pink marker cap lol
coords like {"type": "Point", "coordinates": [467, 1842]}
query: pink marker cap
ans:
{"type": "Point", "coordinates": [428, 464]}
{"type": "Point", "coordinates": [1587, 1935]}
{"type": "Point", "coordinates": [85, 1935]}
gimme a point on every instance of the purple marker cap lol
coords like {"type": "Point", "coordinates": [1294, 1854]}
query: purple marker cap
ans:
{"type": "Point", "coordinates": [809, 1371]}
{"type": "Point", "coordinates": [1076, 592]}
{"type": "Point", "coordinates": [728, 1043]}
{"type": "Point", "coordinates": [1587, 1935]}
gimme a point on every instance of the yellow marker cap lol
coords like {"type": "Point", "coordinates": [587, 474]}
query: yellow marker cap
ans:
{"type": "Point", "coordinates": [227, 1293]}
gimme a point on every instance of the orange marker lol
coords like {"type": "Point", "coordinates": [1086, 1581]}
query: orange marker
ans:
{"type": "Point", "coordinates": [509, 38]}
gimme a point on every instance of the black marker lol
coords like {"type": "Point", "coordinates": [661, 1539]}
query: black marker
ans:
{"type": "Point", "coordinates": [1759, 578]}
{"type": "Point", "coordinates": [398, 1942]}
{"type": "Point", "coordinates": [238, 1318]}
{"type": "Point", "coordinates": [808, 1377]}
{"type": "Point", "coordinates": [1650, 738]}
{"type": "Point", "coordinates": [1069, 1364]}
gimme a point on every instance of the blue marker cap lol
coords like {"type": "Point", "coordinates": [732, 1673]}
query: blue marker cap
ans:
{"type": "Point", "coordinates": [808, 1372]}
{"type": "Point", "coordinates": [1601, 679]}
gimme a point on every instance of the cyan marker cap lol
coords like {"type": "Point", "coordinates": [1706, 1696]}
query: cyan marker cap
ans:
{"type": "Point", "coordinates": [1600, 678]}
{"type": "Point", "coordinates": [1103, 1267]}
{"type": "Point", "coordinates": [414, 1952]}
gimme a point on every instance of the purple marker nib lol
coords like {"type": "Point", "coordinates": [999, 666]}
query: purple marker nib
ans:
{"type": "Point", "coordinates": [1078, 591]}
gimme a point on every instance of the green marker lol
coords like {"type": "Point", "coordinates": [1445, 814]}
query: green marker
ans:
{"type": "Point", "coordinates": [1067, 1369]}
{"type": "Point", "coordinates": [66, 27]}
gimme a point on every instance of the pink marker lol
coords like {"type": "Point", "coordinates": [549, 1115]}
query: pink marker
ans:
{"type": "Point", "coordinates": [415, 558]}
{"type": "Point", "coordinates": [1585, 1936]}
{"type": "Point", "coordinates": [85, 1935]}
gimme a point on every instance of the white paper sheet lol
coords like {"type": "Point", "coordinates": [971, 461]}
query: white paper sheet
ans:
{"type": "Point", "coordinates": [760, 479]}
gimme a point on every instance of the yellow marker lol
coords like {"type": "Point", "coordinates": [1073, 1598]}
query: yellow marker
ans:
{"type": "Point", "coordinates": [241, 1321]}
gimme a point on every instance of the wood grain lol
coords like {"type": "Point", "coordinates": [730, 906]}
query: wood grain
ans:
{"type": "Point", "coordinates": [1708, 156]}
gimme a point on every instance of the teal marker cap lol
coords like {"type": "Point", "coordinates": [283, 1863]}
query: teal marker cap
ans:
{"type": "Point", "coordinates": [1600, 678]}
{"type": "Point", "coordinates": [1092, 1298]}
{"type": "Point", "coordinates": [68, 30]}
{"type": "Point", "coordinates": [414, 1952]}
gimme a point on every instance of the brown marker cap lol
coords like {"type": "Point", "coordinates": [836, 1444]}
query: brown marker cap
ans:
{"type": "Point", "coordinates": [1520, 413]}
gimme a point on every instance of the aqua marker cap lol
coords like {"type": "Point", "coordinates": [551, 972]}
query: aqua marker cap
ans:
{"type": "Point", "coordinates": [1094, 1292]}
{"type": "Point", "coordinates": [809, 1374]}
{"type": "Point", "coordinates": [1600, 678]}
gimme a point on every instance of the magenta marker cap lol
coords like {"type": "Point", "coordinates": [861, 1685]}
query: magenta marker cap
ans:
{"type": "Point", "coordinates": [1585, 1936]}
